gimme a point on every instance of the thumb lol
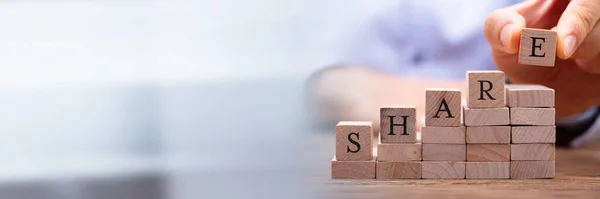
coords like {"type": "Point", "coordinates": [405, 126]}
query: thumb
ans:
{"type": "Point", "coordinates": [502, 30]}
{"type": "Point", "coordinates": [576, 22]}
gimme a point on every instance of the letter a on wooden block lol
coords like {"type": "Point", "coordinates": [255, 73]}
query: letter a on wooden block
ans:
{"type": "Point", "coordinates": [398, 170]}
{"type": "Point", "coordinates": [532, 151]}
{"type": "Point", "coordinates": [443, 170]}
{"type": "Point", "coordinates": [354, 141]}
{"type": "Point", "coordinates": [398, 124]}
{"type": "Point", "coordinates": [526, 95]}
{"type": "Point", "coordinates": [488, 152]}
{"type": "Point", "coordinates": [352, 169]}
{"type": "Point", "coordinates": [488, 170]}
{"type": "Point", "coordinates": [538, 47]}
{"type": "Point", "coordinates": [442, 107]}
{"type": "Point", "coordinates": [532, 169]}
{"type": "Point", "coordinates": [485, 89]}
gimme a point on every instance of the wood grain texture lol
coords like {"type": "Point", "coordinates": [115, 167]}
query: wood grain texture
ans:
{"type": "Point", "coordinates": [528, 95]}
{"type": "Point", "coordinates": [491, 83]}
{"type": "Point", "coordinates": [443, 170]}
{"type": "Point", "coordinates": [532, 116]}
{"type": "Point", "coordinates": [532, 151]}
{"type": "Point", "coordinates": [359, 132]}
{"type": "Point", "coordinates": [393, 126]}
{"type": "Point", "coordinates": [488, 152]}
{"type": "Point", "coordinates": [398, 170]}
{"type": "Point", "coordinates": [443, 135]}
{"type": "Point", "coordinates": [488, 170]}
{"type": "Point", "coordinates": [486, 117]}
{"type": "Point", "coordinates": [444, 152]}
{"type": "Point", "coordinates": [544, 51]}
{"type": "Point", "coordinates": [533, 134]}
{"type": "Point", "coordinates": [352, 169]}
{"type": "Point", "coordinates": [434, 99]}
{"type": "Point", "coordinates": [397, 152]}
{"type": "Point", "coordinates": [532, 169]}
{"type": "Point", "coordinates": [488, 135]}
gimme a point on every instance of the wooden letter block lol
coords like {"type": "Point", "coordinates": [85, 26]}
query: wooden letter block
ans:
{"type": "Point", "coordinates": [398, 170]}
{"type": "Point", "coordinates": [444, 152]}
{"type": "Point", "coordinates": [488, 152]}
{"type": "Point", "coordinates": [443, 170]}
{"type": "Point", "coordinates": [538, 47]}
{"type": "Point", "coordinates": [442, 107]}
{"type": "Point", "coordinates": [387, 152]}
{"type": "Point", "coordinates": [532, 116]}
{"type": "Point", "coordinates": [354, 141]}
{"type": "Point", "coordinates": [532, 152]}
{"type": "Point", "coordinates": [486, 89]}
{"type": "Point", "coordinates": [488, 170]}
{"type": "Point", "coordinates": [529, 96]}
{"type": "Point", "coordinates": [488, 135]}
{"type": "Point", "coordinates": [533, 134]}
{"type": "Point", "coordinates": [531, 169]}
{"type": "Point", "coordinates": [486, 117]}
{"type": "Point", "coordinates": [353, 169]}
{"type": "Point", "coordinates": [443, 135]}
{"type": "Point", "coordinates": [398, 124]}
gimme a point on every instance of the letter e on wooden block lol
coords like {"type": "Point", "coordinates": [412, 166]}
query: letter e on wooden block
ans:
{"type": "Point", "coordinates": [398, 170]}
{"type": "Point", "coordinates": [538, 47]}
{"type": "Point", "coordinates": [352, 169]}
{"type": "Point", "coordinates": [526, 95]}
{"type": "Point", "coordinates": [485, 89]}
{"type": "Point", "coordinates": [532, 151]}
{"type": "Point", "coordinates": [442, 107]}
{"type": "Point", "coordinates": [443, 170]}
{"type": "Point", "coordinates": [398, 124]}
{"type": "Point", "coordinates": [488, 152]}
{"type": "Point", "coordinates": [488, 170]}
{"type": "Point", "coordinates": [354, 141]}
{"type": "Point", "coordinates": [532, 169]}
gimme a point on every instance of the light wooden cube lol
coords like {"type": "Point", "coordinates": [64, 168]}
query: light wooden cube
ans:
{"type": "Point", "coordinates": [533, 134]}
{"type": "Point", "coordinates": [532, 116]}
{"type": "Point", "coordinates": [353, 169]}
{"type": "Point", "coordinates": [532, 151]}
{"type": "Point", "coordinates": [526, 95]}
{"type": "Point", "coordinates": [538, 47]}
{"type": "Point", "coordinates": [443, 170]}
{"type": "Point", "coordinates": [388, 152]}
{"type": "Point", "coordinates": [398, 124]}
{"type": "Point", "coordinates": [442, 107]}
{"type": "Point", "coordinates": [488, 170]}
{"type": "Point", "coordinates": [486, 117]}
{"type": "Point", "coordinates": [532, 169]}
{"type": "Point", "coordinates": [398, 170]}
{"type": "Point", "coordinates": [354, 141]}
{"type": "Point", "coordinates": [444, 152]}
{"type": "Point", "coordinates": [443, 134]}
{"type": "Point", "coordinates": [485, 89]}
{"type": "Point", "coordinates": [488, 135]}
{"type": "Point", "coordinates": [488, 152]}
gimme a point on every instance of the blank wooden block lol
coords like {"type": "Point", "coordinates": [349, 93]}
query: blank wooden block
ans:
{"type": "Point", "coordinates": [526, 95]}
{"type": "Point", "coordinates": [532, 169]}
{"type": "Point", "coordinates": [538, 47]}
{"type": "Point", "coordinates": [398, 124]}
{"type": "Point", "coordinates": [444, 152]}
{"type": "Point", "coordinates": [532, 116]}
{"type": "Point", "coordinates": [387, 152]}
{"type": "Point", "coordinates": [443, 170]}
{"type": "Point", "coordinates": [533, 134]}
{"type": "Point", "coordinates": [532, 151]}
{"type": "Point", "coordinates": [488, 134]}
{"type": "Point", "coordinates": [398, 170]}
{"type": "Point", "coordinates": [354, 141]}
{"type": "Point", "coordinates": [488, 170]}
{"type": "Point", "coordinates": [486, 89]}
{"type": "Point", "coordinates": [443, 134]}
{"type": "Point", "coordinates": [486, 117]}
{"type": "Point", "coordinates": [352, 169]}
{"type": "Point", "coordinates": [488, 152]}
{"type": "Point", "coordinates": [442, 107]}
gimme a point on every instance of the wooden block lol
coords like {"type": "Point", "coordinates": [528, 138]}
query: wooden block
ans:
{"type": "Point", "coordinates": [398, 124]}
{"type": "Point", "coordinates": [443, 170]}
{"type": "Point", "coordinates": [486, 89]}
{"type": "Point", "coordinates": [488, 135]}
{"type": "Point", "coordinates": [354, 141]}
{"type": "Point", "coordinates": [444, 152]}
{"type": "Point", "coordinates": [486, 117]}
{"type": "Point", "coordinates": [533, 134]}
{"type": "Point", "coordinates": [443, 134]}
{"type": "Point", "coordinates": [538, 47]}
{"type": "Point", "coordinates": [488, 170]}
{"type": "Point", "coordinates": [532, 169]}
{"type": "Point", "coordinates": [442, 107]}
{"type": "Point", "coordinates": [398, 170]}
{"type": "Point", "coordinates": [353, 169]}
{"type": "Point", "coordinates": [387, 152]}
{"type": "Point", "coordinates": [532, 151]}
{"type": "Point", "coordinates": [532, 116]}
{"type": "Point", "coordinates": [488, 152]}
{"type": "Point", "coordinates": [532, 96]}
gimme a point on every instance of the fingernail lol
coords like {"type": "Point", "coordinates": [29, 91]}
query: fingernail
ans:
{"type": "Point", "coordinates": [569, 45]}
{"type": "Point", "coordinates": [505, 34]}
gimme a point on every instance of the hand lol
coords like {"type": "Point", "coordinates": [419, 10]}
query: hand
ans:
{"type": "Point", "coordinates": [576, 75]}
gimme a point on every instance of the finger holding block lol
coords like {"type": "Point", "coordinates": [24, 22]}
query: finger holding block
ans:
{"type": "Point", "coordinates": [442, 107]}
{"type": "Point", "coordinates": [538, 47]}
{"type": "Point", "coordinates": [486, 89]}
{"type": "Point", "coordinates": [354, 141]}
{"type": "Point", "coordinates": [398, 124]}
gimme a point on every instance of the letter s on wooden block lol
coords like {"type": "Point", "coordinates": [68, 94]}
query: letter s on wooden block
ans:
{"type": "Point", "coordinates": [485, 89]}
{"type": "Point", "coordinates": [354, 141]}
{"type": "Point", "coordinates": [442, 107]}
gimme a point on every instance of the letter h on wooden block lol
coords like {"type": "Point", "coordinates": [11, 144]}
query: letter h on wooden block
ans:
{"type": "Point", "coordinates": [538, 47]}
{"type": "Point", "coordinates": [398, 124]}
{"type": "Point", "coordinates": [485, 89]}
{"type": "Point", "coordinates": [442, 107]}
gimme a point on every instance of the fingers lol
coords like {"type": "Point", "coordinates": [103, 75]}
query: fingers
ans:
{"type": "Point", "coordinates": [590, 47]}
{"type": "Point", "coordinates": [577, 21]}
{"type": "Point", "coordinates": [502, 30]}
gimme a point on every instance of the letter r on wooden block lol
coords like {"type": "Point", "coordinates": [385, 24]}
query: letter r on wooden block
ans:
{"type": "Point", "coordinates": [485, 89]}
{"type": "Point", "coordinates": [354, 141]}
{"type": "Point", "coordinates": [442, 107]}
{"type": "Point", "coordinates": [538, 47]}
{"type": "Point", "coordinates": [398, 124]}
